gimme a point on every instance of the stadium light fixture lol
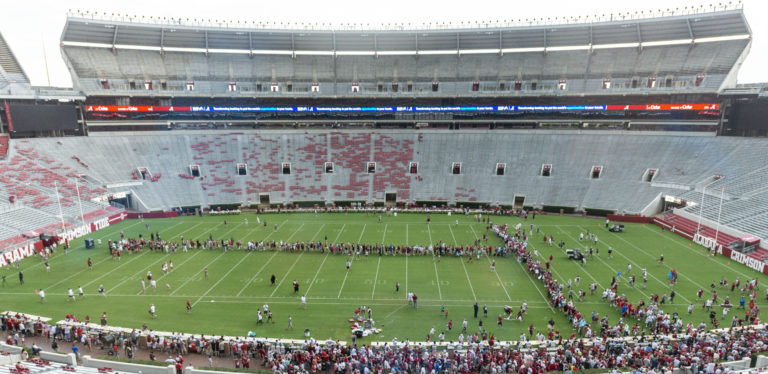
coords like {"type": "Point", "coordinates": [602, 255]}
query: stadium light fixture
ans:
{"type": "Point", "coordinates": [477, 51]}
{"type": "Point", "coordinates": [666, 42]}
{"type": "Point", "coordinates": [721, 38]}
{"type": "Point", "coordinates": [567, 48]}
{"type": "Point", "coordinates": [615, 45]}
{"type": "Point", "coordinates": [396, 53]}
{"type": "Point", "coordinates": [438, 52]}
{"type": "Point", "coordinates": [314, 53]}
{"type": "Point", "coordinates": [355, 53]}
{"type": "Point", "coordinates": [523, 50]}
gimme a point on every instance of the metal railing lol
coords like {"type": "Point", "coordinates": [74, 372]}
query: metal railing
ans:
{"type": "Point", "coordinates": [405, 26]}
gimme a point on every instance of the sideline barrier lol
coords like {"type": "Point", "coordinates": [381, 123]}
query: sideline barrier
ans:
{"type": "Point", "coordinates": [127, 366]}
{"type": "Point", "coordinates": [761, 362]}
{"type": "Point", "coordinates": [738, 365]}
{"type": "Point", "coordinates": [10, 349]}
{"type": "Point", "coordinates": [736, 256]}
{"type": "Point", "coordinates": [134, 215]}
{"type": "Point", "coordinates": [64, 358]}
{"type": "Point", "coordinates": [635, 219]}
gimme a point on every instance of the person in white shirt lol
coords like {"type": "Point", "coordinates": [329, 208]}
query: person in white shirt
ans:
{"type": "Point", "coordinates": [42, 295]}
{"type": "Point", "coordinates": [70, 294]}
{"type": "Point", "coordinates": [152, 311]}
{"type": "Point", "coordinates": [304, 301]}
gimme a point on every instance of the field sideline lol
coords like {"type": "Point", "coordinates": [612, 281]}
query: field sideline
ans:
{"type": "Point", "coordinates": [238, 284]}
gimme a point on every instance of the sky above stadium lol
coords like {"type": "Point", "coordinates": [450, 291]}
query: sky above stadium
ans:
{"type": "Point", "coordinates": [33, 27]}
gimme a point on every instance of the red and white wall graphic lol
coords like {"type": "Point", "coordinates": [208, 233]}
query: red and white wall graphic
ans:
{"type": "Point", "coordinates": [29, 249]}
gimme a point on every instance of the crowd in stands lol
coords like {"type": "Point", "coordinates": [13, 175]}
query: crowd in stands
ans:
{"type": "Point", "coordinates": [701, 351]}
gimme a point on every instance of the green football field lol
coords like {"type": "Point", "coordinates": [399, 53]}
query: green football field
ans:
{"type": "Point", "coordinates": [238, 282]}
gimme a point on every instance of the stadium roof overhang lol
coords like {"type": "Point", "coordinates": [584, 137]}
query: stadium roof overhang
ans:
{"type": "Point", "coordinates": [127, 33]}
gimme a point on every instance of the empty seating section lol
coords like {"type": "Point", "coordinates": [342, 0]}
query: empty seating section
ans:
{"type": "Point", "coordinates": [311, 154]}
{"type": "Point", "coordinates": [9, 65]}
{"type": "Point", "coordinates": [351, 152]}
{"type": "Point", "coordinates": [584, 70]}
{"type": "Point", "coordinates": [263, 155]}
{"type": "Point", "coordinates": [683, 163]}
{"type": "Point", "coordinates": [217, 155]}
{"type": "Point", "coordinates": [38, 366]}
{"type": "Point", "coordinates": [693, 227]}
{"type": "Point", "coordinates": [393, 155]}
{"type": "Point", "coordinates": [22, 220]}
{"type": "Point", "coordinates": [29, 180]}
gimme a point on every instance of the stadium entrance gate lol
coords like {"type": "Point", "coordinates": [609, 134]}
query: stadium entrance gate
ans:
{"type": "Point", "coordinates": [519, 202]}
{"type": "Point", "coordinates": [390, 198]}
{"type": "Point", "coordinates": [264, 200]}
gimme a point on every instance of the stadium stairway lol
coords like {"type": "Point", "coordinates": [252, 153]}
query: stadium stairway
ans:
{"type": "Point", "coordinates": [3, 146]}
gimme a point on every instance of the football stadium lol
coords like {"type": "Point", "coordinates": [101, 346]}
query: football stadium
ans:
{"type": "Point", "coordinates": [524, 197]}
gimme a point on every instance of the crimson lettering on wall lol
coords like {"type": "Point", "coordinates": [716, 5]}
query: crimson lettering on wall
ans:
{"type": "Point", "coordinates": [708, 242]}
{"type": "Point", "coordinates": [10, 257]}
{"type": "Point", "coordinates": [749, 261]}
{"type": "Point", "coordinates": [30, 249]}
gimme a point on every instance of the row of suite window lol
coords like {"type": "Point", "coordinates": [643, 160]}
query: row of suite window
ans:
{"type": "Point", "coordinates": [413, 168]}
{"type": "Point", "coordinates": [518, 85]}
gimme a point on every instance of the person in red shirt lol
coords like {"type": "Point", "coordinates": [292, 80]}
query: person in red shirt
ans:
{"type": "Point", "coordinates": [189, 307]}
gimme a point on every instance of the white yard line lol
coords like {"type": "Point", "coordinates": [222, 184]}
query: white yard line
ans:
{"type": "Point", "coordinates": [183, 262]}
{"type": "Point", "coordinates": [430, 234]}
{"type": "Point", "coordinates": [96, 263]}
{"type": "Point", "coordinates": [317, 233]}
{"type": "Point", "coordinates": [111, 271]}
{"type": "Point", "coordinates": [564, 280]}
{"type": "Point", "coordinates": [465, 267]}
{"type": "Point", "coordinates": [665, 284]}
{"type": "Point", "coordinates": [339, 234]}
{"type": "Point", "coordinates": [406, 274]}
{"type": "Point", "coordinates": [361, 233]}
{"type": "Point", "coordinates": [286, 274]}
{"type": "Point", "coordinates": [395, 311]}
{"type": "Point", "coordinates": [700, 253]}
{"type": "Point", "coordinates": [262, 266]}
{"type": "Point", "coordinates": [407, 243]}
{"type": "Point", "coordinates": [198, 273]}
{"type": "Point", "coordinates": [385, 233]}
{"type": "Point", "coordinates": [526, 273]}
{"type": "Point", "coordinates": [256, 274]}
{"type": "Point", "coordinates": [469, 281]}
{"type": "Point", "coordinates": [352, 300]}
{"type": "Point", "coordinates": [136, 257]}
{"type": "Point", "coordinates": [316, 274]}
{"type": "Point", "coordinates": [351, 259]}
{"type": "Point", "coordinates": [537, 288]}
{"type": "Point", "coordinates": [439, 292]}
{"type": "Point", "coordinates": [376, 278]}
{"type": "Point", "coordinates": [221, 279]}
{"type": "Point", "coordinates": [294, 233]}
{"type": "Point", "coordinates": [453, 236]}
{"type": "Point", "coordinates": [209, 264]}
{"type": "Point", "coordinates": [147, 267]}
{"type": "Point", "coordinates": [140, 271]}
